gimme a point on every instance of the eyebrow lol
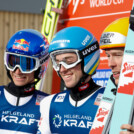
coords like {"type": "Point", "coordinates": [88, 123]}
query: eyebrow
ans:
{"type": "Point", "coordinates": [65, 58]}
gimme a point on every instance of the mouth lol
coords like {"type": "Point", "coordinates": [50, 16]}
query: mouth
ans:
{"type": "Point", "coordinates": [18, 77]}
{"type": "Point", "coordinates": [116, 74]}
{"type": "Point", "coordinates": [66, 77]}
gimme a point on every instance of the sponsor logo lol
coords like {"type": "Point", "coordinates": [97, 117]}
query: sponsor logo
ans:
{"type": "Point", "coordinates": [60, 41]}
{"type": "Point", "coordinates": [21, 44]}
{"type": "Point", "coordinates": [101, 114]}
{"type": "Point", "coordinates": [75, 4]}
{"type": "Point", "coordinates": [17, 120]}
{"type": "Point", "coordinates": [90, 49]}
{"type": "Point", "coordinates": [84, 87]}
{"type": "Point", "coordinates": [105, 41]}
{"type": "Point", "coordinates": [45, 46]}
{"type": "Point", "coordinates": [46, 41]}
{"type": "Point", "coordinates": [91, 3]}
{"type": "Point", "coordinates": [85, 40]}
{"type": "Point", "coordinates": [20, 48]}
{"type": "Point", "coordinates": [128, 68]}
{"type": "Point", "coordinates": [98, 99]}
{"type": "Point", "coordinates": [107, 38]}
{"type": "Point", "coordinates": [39, 99]}
{"type": "Point", "coordinates": [72, 121]}
{"type": "Point", "coordinates": [57, 121]}
{"type": "Point", "coordinates": [29, 89]}
{"type": "Point", "coordinates": [60, 97]}
{"type": "Point", "coordinates": [129, 51]}
{"type": "Point", "coordinates": [77, 123]}
{"type": "Point", "coordinates": [108, 99]}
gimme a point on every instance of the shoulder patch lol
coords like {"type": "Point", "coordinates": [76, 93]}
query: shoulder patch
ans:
{"type": "Point", "coordinates": [39, 99]}
{"type": "Point", "coordinates": [98, 99]}
{"type": "Point", "coordinates": [60, 97]}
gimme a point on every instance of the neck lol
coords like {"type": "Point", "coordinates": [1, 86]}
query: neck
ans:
{"type": "Point", "coordinates": [20, 91]}
{"type": "Point", "coordinates": [88, 78]}
{"type": "Point", "coordinates": [84, 89]}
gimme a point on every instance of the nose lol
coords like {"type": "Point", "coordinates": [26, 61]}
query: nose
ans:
{"type": "Point", "coordinates": [17, 70]}
{"type": "Point", "coordinates": [111, 62]}
{"type": "Point", "coordinates": [62, 68]}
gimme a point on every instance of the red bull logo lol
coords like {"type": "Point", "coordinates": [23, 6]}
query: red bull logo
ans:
{"type": "Point", "coordinates": [20, 45]}
{"type": "Point", "coordinates": [22, 42]}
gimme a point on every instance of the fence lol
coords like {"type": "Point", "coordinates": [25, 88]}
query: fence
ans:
{"type": "Point", "coordinates": [11, 22]}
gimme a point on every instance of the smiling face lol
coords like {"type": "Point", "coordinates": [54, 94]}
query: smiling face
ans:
{"type": "Point", "coordinates": [115, 56]}
{"type": "Point", "coordinates": [21, 79]}
{"type": "Point", "coordinates": [72, 75]}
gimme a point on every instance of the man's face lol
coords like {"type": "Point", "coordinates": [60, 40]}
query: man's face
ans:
{"type": "Point", "coordinates": [21, 79]}
{"type": "Point", "coordinates": [115, 56]}
{"type": "Point", "coordinates": [72, 75]}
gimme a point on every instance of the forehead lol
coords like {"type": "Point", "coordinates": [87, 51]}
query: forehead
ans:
{"type": "Point", "coordinates": [114, 50]}
{"type": "Point", "coordinates": [66, 55]}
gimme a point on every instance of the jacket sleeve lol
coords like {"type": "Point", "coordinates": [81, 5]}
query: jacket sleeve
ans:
{"type": "Point", "coordinates": [44, 125]}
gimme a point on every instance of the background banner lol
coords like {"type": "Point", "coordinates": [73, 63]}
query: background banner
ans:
{"type": "Point", "coordinates": [95, 16]}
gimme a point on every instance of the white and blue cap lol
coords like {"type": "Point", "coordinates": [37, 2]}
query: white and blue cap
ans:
{"type": "Point", "coordinates": [80, 41]}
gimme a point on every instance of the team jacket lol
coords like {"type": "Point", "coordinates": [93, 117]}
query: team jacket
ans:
{"type": "Point", "coordinates": [59, 115]}
{"type": "Point", "coordinates": [22, 119]}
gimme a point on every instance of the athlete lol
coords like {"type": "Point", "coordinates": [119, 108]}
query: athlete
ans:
{"type": "Point", "coordinates": [26, 59]}
{"type": "Point", "coordinates": [113, 41]}
{"type": "Point", "coordinates": [75, 55]}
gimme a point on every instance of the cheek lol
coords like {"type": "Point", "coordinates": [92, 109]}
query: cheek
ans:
{"type": "Point", "coordinates": [78, 67]}
{"type": "Point", "coordinates": [78, 71]}
{"type": "Point", "coordinates": [10, 73]}
{"type": "Point", "coordinates": [31, 77]}
{"type": "Point", "coordinates": [120, 61]}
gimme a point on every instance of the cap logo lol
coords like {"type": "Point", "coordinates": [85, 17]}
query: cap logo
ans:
{"type": "Point", "coordinates": [112, 38]}
{"type": "Point", "coordinates": [60, 41]}
{"type": "Point", "coordinates": [85, 40]}
{"type": "Point", "coordinates": [90, 49]}
{"type": "Point", "coordinates": [21, 44]}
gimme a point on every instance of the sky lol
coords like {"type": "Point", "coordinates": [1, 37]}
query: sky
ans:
{"type": "Point", "coordinates": [28, 6]}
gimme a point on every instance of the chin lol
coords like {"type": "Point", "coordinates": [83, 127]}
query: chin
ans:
{"type": "Point", "coordinates": [19, 84]}
{"type": "Point", "coordinates": [69, 86]}
{"type": "Point", "coordinates": [116, 82]}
